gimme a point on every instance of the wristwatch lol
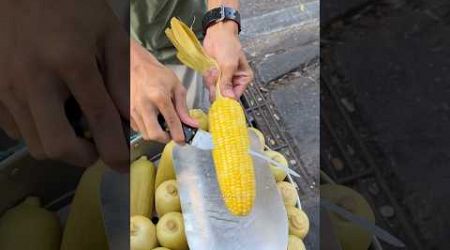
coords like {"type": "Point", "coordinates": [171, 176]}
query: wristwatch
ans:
{"type": "Point", "coordinates": [220, 14]}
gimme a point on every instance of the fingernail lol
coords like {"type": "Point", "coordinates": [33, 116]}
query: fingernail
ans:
{"type": "Point", "coordinates": [180, 142]}
{"type": "Point", "coordinates": [195, 122]}
{"type": "Point", "coordinates": [214, 72]}
{"type": "Point", "coordinates": [229, 93]}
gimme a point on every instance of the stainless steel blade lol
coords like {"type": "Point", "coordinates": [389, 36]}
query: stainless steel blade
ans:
{"type": "Point", "coordinates": [202, 140]}
{"type": "Point", "coordinates": [208, 223]}
{"type": "Point", "coordinates": [364, 223]}
{"type": "Point", "coordinates": [115, 200]}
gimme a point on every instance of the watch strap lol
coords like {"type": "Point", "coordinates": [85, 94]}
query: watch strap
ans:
{"type": "Point", "coordinates": [220, 14]}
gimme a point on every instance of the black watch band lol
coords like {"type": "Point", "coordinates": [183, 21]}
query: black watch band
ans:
{"type": "Point", "coordinates": [220, 14]}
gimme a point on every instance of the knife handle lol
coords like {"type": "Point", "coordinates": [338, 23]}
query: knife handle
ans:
{"type": "Point", "coordinates": [81, 127]}
{"type": "Point", "coordinates": [188, 131]}
{"type": "Point", "coordinates": [80, 124]}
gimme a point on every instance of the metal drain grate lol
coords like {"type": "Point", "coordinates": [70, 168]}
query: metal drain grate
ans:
{"type": "Point", "coordinates": [261, 113]}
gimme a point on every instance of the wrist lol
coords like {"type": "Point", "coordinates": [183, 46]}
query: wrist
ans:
{"type": "Point", "coordinates": [139, 54]}
{"type": "Point", "coordinates": [228, 26]}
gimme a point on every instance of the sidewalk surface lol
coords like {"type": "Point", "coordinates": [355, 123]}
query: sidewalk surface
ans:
{"type": "Point", "coordinates": [281, 40]}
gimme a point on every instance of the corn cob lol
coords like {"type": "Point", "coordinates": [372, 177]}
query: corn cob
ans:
{"type": "Point", "coordinates": [227, 124]}
{"type": "Point", "coordinates": [234, 166]}
{"type": "Point", "coordinates": [166, 170]}
{"type": "Point", "coordinates": [142, 191]}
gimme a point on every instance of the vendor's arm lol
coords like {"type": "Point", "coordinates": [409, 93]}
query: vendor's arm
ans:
{"type": "Point", "coordinates": [155, 89]}
{"type": "Point", "coordinates": [222, 43]}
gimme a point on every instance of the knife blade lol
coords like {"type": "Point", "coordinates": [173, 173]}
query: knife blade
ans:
{"type": "Point", "coordinates": [363, 223]}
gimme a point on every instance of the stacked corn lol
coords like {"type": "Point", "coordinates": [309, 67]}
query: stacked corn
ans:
{"type": "Point", "coordinates": [233, 163]}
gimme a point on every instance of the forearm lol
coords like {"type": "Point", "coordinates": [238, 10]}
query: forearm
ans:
{"type": "Point", "coordinates": [138, 52]}
{"type": "Point", "coordinates": [229, 3]}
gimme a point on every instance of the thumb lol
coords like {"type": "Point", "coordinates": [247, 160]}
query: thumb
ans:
{"type": "Point", "coordinates": [226, 83]}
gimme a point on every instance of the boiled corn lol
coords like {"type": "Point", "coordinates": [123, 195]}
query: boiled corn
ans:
{"type": "Point", "coordinates": [234, 166]}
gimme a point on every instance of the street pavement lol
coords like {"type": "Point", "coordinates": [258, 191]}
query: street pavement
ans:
{"type": "Point", "coordinates": [281, 40]}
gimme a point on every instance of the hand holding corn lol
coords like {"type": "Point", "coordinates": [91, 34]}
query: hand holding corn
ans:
{"type": "Point", "coordinates": [222, 44]}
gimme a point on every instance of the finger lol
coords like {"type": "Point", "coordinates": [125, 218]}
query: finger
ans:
{"type": "Point", "coordinates": [8, 124]}
{"type": "Point", "coordinates": [210, 78]}
{"type": "Point", "coordinates": [139, 123]}
{"type": "Point", "coordinates": [244, 77]}
{"type": "Point", "coordinates": [181, 107]}
{"type": "Point", "coordinates": [240, 83]}
{"type": "Point", "coordinates": [226, 85]}
{"type": "Point", "coordinates": [167, 109]}
{"type": "Point", "coordinates": [206, 78]}
{"type": "Point", "coordinates": [86, 84]}
{"type": "Point", "coordinates": [239, 89]}
{"type": "Point", "coordinates": [153, 128]}
{"type": "Point", "coordinates": [117, 70]}
{"type": "Point", "coordinates": [133, 125]}
{"type": "Point", "coordinates": [23, 118]}
{"type": "Point", "coordinates": [57, 135]}
{"type": "Point", "coordinates": [212, 94]}
{"type": "Point", "coordinates": [244, 66]}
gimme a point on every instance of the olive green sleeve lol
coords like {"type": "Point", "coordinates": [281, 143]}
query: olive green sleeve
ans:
{"type": "Point", "coordinates": [149, 19]}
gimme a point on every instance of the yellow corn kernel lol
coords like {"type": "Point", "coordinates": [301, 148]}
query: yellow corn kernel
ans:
{"type": "Point", "coordinates": [233, 163]}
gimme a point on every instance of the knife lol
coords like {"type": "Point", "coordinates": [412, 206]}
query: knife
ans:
{"type": "Point", "coordinates": [363, 223]}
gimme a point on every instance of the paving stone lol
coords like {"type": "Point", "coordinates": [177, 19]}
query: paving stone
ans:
{"type": "Point", "coordinates": [279, 64]}
{"type": "Point", "coordinates": [278, 37]}
{"type": "Point", "coordinates": [257, 47]}
{"type": "Point", "coordinates": [253, 8]}
{"type": "Point", "coordinates": [298, 104]}
{"type": "Point", "coordinates": [280, 19]}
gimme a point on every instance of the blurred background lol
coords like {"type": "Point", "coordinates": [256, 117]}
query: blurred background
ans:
{"type": "Point", "coordinates": [384, 112]}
